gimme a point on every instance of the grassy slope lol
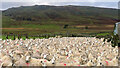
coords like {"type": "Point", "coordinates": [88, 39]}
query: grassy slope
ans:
{"type": "Point", "coordinates": [51, 19]}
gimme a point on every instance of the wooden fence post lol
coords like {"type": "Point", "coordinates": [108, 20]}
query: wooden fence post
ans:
{"type": "Point", "coordinates": [7, 36]}
{"type": "Point", "coordinates": [26, 36]}
{"type": "Point", "coordinates": [14, 37]}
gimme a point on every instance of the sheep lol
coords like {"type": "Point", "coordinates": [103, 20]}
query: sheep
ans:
{"type": "Point", "coordinates": [65, 51]}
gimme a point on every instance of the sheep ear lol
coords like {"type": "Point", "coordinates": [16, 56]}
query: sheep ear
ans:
{"type": "Point", "coordinates": [41, 61]}
{"type": "Point", "coordinates": [29, 57]}
{"type": "Point", "coordinates": [91, 60]}
{"type": "Point", "coordinates": [2, 64]}
{"type": "Point", "coordinates": [116, 57]}
{"type": "Point", "coordinates": [21, 55]}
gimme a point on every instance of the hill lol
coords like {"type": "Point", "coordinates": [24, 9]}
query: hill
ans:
{"type": "Point", "coordinates": [53, 19]}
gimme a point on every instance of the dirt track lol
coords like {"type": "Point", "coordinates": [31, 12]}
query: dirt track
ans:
{"type": "Point", "coordinates": [12, 28]}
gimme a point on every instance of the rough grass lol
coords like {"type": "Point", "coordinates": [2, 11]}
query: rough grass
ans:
{"type": "Point", "coordinates": [103, 34]}
{"type": "Point", "coordinates": [16, 37]}
{"type": "Point", "coordinates": [33, 27]}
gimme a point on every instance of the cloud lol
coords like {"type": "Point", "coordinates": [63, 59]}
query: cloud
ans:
{"type": "Point", "coordinates": [40, 3]}
{"type": "Point", "coordinates": [92, 1]}
{"type": "Point", "coordinates": [60, 0]}
{"type": "Point", "coordinates": [6, 5]}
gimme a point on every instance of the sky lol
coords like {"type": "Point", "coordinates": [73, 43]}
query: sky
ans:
{"type": "Point", "coordinates": [5, 4]}
{"type": "Point", "coordinates": [59, 0]}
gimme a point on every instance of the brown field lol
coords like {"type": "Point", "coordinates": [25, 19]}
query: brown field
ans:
{"type": "Point", "coordinates": [94, 27]}
{"type": "Point", "coordinates": [71, 29]}
{"type": "Point", "coordinates": [12, 28]}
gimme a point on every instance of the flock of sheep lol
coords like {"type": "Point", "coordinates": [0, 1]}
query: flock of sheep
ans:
{"type": "Point", "coordinates": [65, 51]}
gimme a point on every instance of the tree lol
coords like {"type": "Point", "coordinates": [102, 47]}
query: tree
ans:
{"type": "Point", "coordinates": [86, 27]}
{"type": "Point", "coordinates": [91, 21]}
{"type": "Point", "coordinates": [14, 37]}
{"type": "Point", "coordinates": [66, 26]}
{"type": "Point", "coordinates": [7, 36]}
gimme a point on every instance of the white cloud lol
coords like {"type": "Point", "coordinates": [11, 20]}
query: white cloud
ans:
{"type": "Point", "coordinates": [92, 1]}
{"type": "Point", "coordinates": [42, 3]}
{"type": "Point", "coordinates": [106, 7]}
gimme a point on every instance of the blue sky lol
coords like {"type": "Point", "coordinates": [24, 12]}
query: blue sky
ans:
{"type": "Point", "coordinates": [97, 3]}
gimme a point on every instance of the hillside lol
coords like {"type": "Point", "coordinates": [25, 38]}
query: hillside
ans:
{"type": "Point", "coordinates": [48, 17]}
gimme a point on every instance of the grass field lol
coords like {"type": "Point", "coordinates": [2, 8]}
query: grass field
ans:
{"type": "Point", "coordinates": [33, 27]}
{"type": "Point", "coordinates": [53, 20]}
{"type": "Point", "coordinates": [51, 27]}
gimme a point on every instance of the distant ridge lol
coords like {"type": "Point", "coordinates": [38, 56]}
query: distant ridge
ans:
{"type": "Point", "coordinates": [69, 13]}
